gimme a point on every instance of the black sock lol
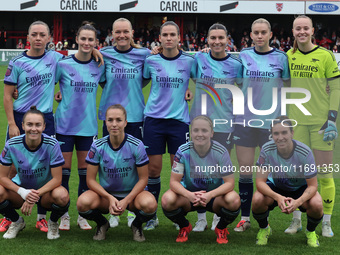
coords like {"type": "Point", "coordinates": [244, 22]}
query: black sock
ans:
{"type": "Point", "coordinates": [7, 210]}
{"type": "Point", "coordinates": [82, 181]}
{"type": "Point", "coordinates": [142, 217]}
{"type": "Point", "coordinates": [227, 217]}
{"type": "Point", "coordinates": [246, 194]}
{"type": "Point", "coordinates": [312, 223]}
{"type": "Point", "coordinates": [41, 210]}
{"type": "Point", "coordinates": [66, 178]}
{"type": "Point", "coordinates": [154, 186]}
{"type": "Point", "coordinates": [58, 211]}
{"type": "Point", "coordinates": [177, 216]}
{"type": "Point", "coordinates": [94, 215]}
{"type": "Point", "coordinates": [262, 218]}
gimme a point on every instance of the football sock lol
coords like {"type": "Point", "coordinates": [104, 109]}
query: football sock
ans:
{"type": "Point", "coordinates": [262, 218]}
{"type": "Point", "coordinates": [246, 194]}
{"type": "Point", "coordinates": [312, 223]}
{"type": "Point", "coordinates": [154, 186]}
{"type": "Point", "coordinates": [227, 217]}
{"type": "Point", "coordinates": [94, 215]}
{"type": "Point", "coordinates": [177, 216]}
{"type": "Point", "coordinates": [82, 187]}
{"type": "Point", "coordinates": [7, 210]}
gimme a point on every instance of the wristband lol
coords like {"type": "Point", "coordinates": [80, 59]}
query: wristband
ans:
{"type": "Point", "coordinates": [23, 192]}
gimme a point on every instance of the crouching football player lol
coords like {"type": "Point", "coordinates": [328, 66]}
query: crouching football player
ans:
{"type": "Point", "coordinates": [287, 178]}
{"type": "Point", "coordinates": [200, 188]}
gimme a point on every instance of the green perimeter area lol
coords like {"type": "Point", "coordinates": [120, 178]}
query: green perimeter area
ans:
{"type": "Point", "coordinates": [162, 240]}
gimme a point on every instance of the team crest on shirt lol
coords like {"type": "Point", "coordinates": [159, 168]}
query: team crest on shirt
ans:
{"type": "Point", "coordinates": [181, 71]}
{"type": "Point", "coordinates": [92, 152]}
{"type": "Point", "coordinates": [3, 153]}
{"type": "Point", "coordinates": [9, 70]}
{"type": "Point", "coordinates": [94, 74]}
{"type": "Point", "coordinates": [48, 65]}
{"type": "Point", "coordinates": [279, 6]}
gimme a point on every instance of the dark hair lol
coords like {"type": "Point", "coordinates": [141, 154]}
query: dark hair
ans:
{"type": "Point", "coordinates": [39, 22]}
{"type": "Point", "coordinates": [33, 110]}
{"type": "Point", "coordinates": [87, 25]}
{"type": "Point", "coordinates": [117, 106]}
{"type": "Point", "coordinates": [218, 26]}
{"type": "Point", "coordinates": [284, 121]}
{"type": "Point", "coordinates": [170, 23]}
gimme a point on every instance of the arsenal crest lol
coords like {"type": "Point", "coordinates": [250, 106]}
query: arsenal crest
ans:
{"type": "Point", "coordinates": [279, 6]}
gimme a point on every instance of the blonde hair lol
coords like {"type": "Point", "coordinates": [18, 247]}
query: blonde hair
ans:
{"type": "Point", "coordinates": [203, 117]}
{"type": "Point", "coordinates": [132, 42]}
{"type": "Point", "coordinates": [39, 22]}
{"type": "Point", "coordinates": [295, 45]}
{"type": "Point", "coordinates": [261, 21]}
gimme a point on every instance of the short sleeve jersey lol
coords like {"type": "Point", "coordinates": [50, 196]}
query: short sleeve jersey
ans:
{"type": "Point", "coordinates": [211, 71]}
{"type": "Point", "coordinates": [170, 79]}
{"type": "Point", "coordinates": [33, 166]}
{"type": "Point", "coordinates": [263, 73]}
{"type": "Point", "coordinates": [202, 173]}
{"type": "Point", "coordinates": [118, 167]}
{"type": "Point", "coordinates": [78, 81]}
{"type": "Point", "coordinates": [124, 80]}
{"type": "Point", "coordinates": [311, 70]}
{"type": "Point", "coordinates": [288, 173]}
{"type": "Point", "coordinates": [35, 80]}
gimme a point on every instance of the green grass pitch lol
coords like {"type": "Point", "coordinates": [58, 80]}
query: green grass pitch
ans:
{"type": "Point", "coordinates": [162, 240]}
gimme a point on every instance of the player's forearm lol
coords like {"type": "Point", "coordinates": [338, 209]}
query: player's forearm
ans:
{"type": "Point", "coordinates": [51, 185]}
{"type": "Point", "coordinates": [309, 192]}
{"type": "Point", "coordinates": [8, 105]}
{"type": "Point", "coordinates": [264, 189]}
{"type": "Point", "coordinates": [226, 187]}
{"type": "Point", "coordinates": [334, 94]}
{"type": "Point", "coordinates": [138, 188]}
{"type": "Point", "coordinates": [178, 188]}
{"type": "Point", "coordinates": [97, 188]}
{"type": "Point", "coordinates": [8, 184]}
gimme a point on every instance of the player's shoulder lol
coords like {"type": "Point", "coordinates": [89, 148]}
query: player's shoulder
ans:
{"type": "Point", "coordinates": [107, 49]}
{"type": "Point", "coordinates": [133, 140]}
{"type": "Point", "coordinates": [280, 53]}
{"type": "Point", "coordinates": [217, 147]}
{"type": "Point", "coordinates": [186, 146]}
{"type": "Point", "coordinates": [48, 140]}
{"type": "Point", "coordinates": [101, 142]}
{"type": "Point", "coordinates": [269, 146]}
{"type": "Point", "coordinates": [18, 58]}
{"type": "Point", "coordinates": [324, 51]}
{"type": "Point", "coordinates": [54, 53]}
{"type": "Point", "coordinates": [15, 140]}
{"type": "Point", "coordinates": [66, 59]}
{"type": "Point", "coordinates": [185, 54]}
{"type": "Point", "coordinates": [302, 148]}
{"type": "Point", "coordinates": [235, 58]}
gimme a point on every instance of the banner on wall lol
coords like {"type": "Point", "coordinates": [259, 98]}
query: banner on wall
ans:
{"type": "Point", "coordinates": [158, 6]}
{"type": "Point", "coordinates": [323, 8]}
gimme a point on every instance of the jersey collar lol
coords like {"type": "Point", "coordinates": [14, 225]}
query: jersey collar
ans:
{"type": "Point", "coordinates": [122, 51]}
{"type": "Point", "coordinates": [173, 58]}
{"type": "Point", "coordinates": [26, 146]}
{"type": "Point", "coordinates": [305, 53]}
{"type": "Point", "coordinates": [120, 146]}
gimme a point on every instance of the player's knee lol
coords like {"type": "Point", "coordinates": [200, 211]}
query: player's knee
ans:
{"type": "Point", "coordinates": [83, 203]}
{"type": "Point", "coordinates": [2, 194]}
{"type": "Point", "coordinates": [233, 200]}
{"type": "Point", "coordinates": [258, 201]}
{"type": "Point", "coordinates": [315, 204]}
{"type": "Point", "coordinates": [168, 200]}
{"type": "Point", "coordinates": [61, 196]}
{"type": "Point", "coordinates": [148, 203]}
